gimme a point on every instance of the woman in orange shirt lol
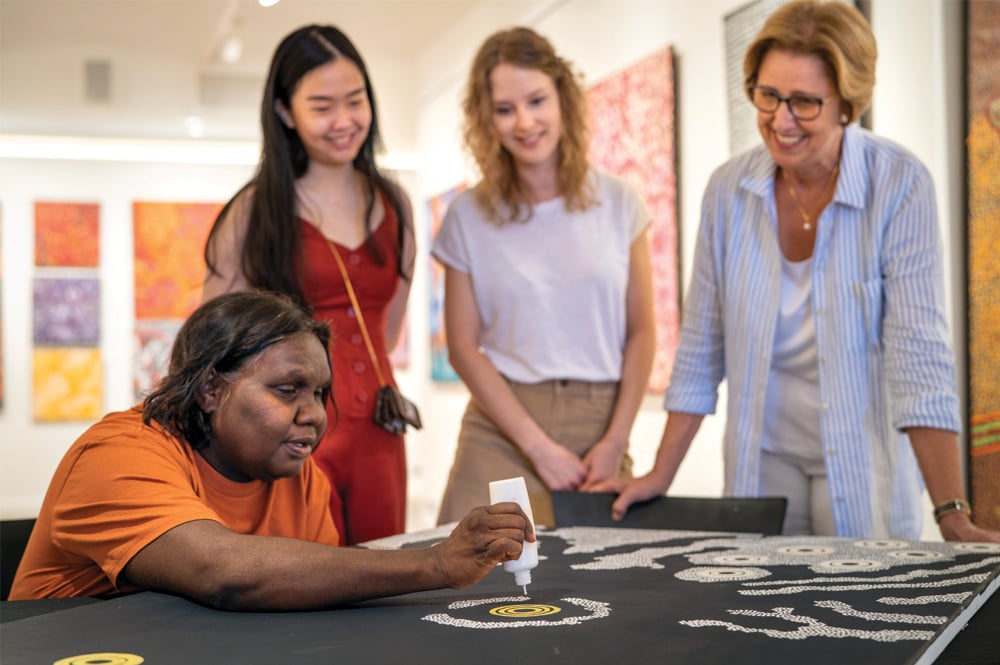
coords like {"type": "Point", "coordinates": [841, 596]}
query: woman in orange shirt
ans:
{"type": "Point", "coordinates": [208, 490]}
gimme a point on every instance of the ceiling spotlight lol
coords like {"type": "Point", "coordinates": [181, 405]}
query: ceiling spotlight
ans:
{"type": "Point", "coordinates": [267, 3]}
{"type": "Point", "coordinates": [195, 126]}
{"type": "Point", "coordinates": [232, 49]}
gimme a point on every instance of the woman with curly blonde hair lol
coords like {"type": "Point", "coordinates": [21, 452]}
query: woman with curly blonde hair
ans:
{"type": "Point", "coordinates": [548, 290]}
{"type": "Point", "coordinates": [498, 190]}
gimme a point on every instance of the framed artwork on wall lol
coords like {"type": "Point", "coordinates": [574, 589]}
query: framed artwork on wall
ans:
{"type": "Point", "coordinates": [740, 27]}
{"type": "Point", "coordinates": [1, 313]}
{"type": "Point", "coordinates": [399, 357]}
{"type": "Point", "coordinates": [67, 366]}
{"type": "Point", "coordinates": [633, 136]}
{"type": "Point", "coordinates": [67, 235]}
{"type": "Point", "coordinates": [441, 369]}
{"type": "Point", "coordinates": [68, 384]}
{"type": "Point", "coordinates": [169, 240]}
{"type": "Point", "coordinates": [983, 282]}
{"type": "Point", "coordinates": [67, 311]}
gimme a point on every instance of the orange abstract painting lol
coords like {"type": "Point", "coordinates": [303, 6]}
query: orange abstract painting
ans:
{"type": "Point", "coordinates": [67, 235]}
{"type": "Point", "coordinates": [67, 384]}
{"type": "Point", "coordinates": [169, 257]}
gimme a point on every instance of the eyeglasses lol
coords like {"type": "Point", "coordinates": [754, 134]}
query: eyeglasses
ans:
{"type": "Point", "coordinates": [802, 107]}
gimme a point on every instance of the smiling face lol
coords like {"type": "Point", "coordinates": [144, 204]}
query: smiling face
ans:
{"type": "Point", "coordinates": [267, 419]}
{"type": "Point", "coordinates": [330, 112]}
{"type": "Point", "coordinates": [526, 115]}
{"type": "Point", "coordinates": [800, 145]}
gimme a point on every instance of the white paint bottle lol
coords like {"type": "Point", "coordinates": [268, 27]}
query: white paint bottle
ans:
{"type": "Point", "coordinates": [514, 489]}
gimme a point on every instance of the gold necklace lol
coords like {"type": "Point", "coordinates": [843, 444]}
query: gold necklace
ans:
{"type": "Point", "coordinates": [806, 217]}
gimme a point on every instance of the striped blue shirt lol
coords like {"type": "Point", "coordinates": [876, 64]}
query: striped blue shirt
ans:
{"type": "Point", "coordinates": [885, 362]}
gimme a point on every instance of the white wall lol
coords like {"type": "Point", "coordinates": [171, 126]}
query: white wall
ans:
{"type": "Point", "coordinates": [600, 37]}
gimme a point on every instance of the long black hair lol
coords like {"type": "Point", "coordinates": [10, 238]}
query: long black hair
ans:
{"type": "Point", "coordinates": [273, 244]}
{"type": "Point", "coordinates": [222, 336]}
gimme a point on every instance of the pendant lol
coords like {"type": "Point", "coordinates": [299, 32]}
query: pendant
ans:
{"type": "Point", "coordinates": [807, 226]}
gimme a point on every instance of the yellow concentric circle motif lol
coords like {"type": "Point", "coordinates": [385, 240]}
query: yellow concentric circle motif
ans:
{"type": "Point", "coordinates": [524, 611]}
{"type": "Point", "coordinates": [102, 659]}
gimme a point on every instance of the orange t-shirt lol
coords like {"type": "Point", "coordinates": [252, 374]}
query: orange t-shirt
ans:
{"type": "Point", "coordinates": [123, 484]}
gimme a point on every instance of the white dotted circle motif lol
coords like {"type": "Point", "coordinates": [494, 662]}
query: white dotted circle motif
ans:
{"type": "Point", "coordinates": [976, 547]}
{"type": "Point", "coordinates": [806, 550]}
{"type": "Point", "coordinates": [522, 615]}
{"type": "Point", "coordinates": [718, 574]}
{"type": "Point", "coordinates": [848, 566]}
{"type": "Point", "coordinates": [741, 560]}
{"type": "Point", "coordinates": [882, 544]}
{"type": "Point", "coordinates": [916, 555]}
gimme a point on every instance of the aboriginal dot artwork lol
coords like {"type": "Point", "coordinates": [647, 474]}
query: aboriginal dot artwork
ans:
{"type": "Point", "coordinates": [519, 612]}
{"type": "Point", "coordinates": [780, 587]}
{"type": "Point", "coordinates": [522, 610]}
{"type": "Point", "coordinates": [598, 595]}
{"type": "Point", "coordinates": [102, 659]}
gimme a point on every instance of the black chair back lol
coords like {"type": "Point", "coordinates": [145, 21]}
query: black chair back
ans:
{"type": "Point", "coordinates": [14, 536]}
{"type": "Point", "coordinates": [763, 515]}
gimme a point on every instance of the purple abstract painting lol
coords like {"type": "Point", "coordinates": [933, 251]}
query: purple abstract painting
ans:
{"type": "Point", "coordinates": [67, 311]}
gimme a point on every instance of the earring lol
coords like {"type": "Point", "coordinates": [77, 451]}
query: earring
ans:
{"type": "Point", "coordinates": [283, 114]}
{"type": "Point", "coordinates": [843, 119]}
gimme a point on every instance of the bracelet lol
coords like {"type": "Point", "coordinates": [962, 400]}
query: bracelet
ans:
{"type": "Point", "coordinates": [951, 506]}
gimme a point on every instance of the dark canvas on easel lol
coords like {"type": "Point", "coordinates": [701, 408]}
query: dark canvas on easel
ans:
{"type": "Point", "coordinates": [983, 146]}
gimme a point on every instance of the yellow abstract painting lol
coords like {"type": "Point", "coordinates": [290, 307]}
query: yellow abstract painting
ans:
{"type": "Point", "coordinates": [68, 384]}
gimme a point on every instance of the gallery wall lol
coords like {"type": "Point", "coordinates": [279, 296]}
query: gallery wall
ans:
{"type": "Point", "coordinates": [918, 51]}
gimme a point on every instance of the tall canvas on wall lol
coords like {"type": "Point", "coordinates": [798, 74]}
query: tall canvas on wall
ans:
{"type": "Point", "coordinates": [983, 146]}
{"type": "Point", "coordinates": [1, 313]}
{"type": "Point", "coordinates": [632, 120]}
{"type": "Point", "coordinates": [169, 272]}
{"type": "Point", "coordinates": [740, 27]}
{"type": "Point", "coordinates": [441, 369]}
{"type": "Point", "coordinates": [399, 357]}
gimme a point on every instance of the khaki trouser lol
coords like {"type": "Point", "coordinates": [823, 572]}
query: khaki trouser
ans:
{"type": "Point", "coordinates": [574, 414]}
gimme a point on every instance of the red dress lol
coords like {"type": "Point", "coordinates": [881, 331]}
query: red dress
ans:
{"type": "Point", "coordinates": [365, 464]}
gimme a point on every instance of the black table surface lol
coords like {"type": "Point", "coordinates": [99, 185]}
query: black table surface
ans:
{"type": "Point", "coordinates": [624, 602]}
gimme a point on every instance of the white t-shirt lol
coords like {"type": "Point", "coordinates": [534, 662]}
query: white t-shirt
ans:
{"type": "Point", "coordinates": [550, 291]}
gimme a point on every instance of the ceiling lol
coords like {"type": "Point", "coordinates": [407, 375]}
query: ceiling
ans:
{"type": "Point", "coordinates": [164, 54]}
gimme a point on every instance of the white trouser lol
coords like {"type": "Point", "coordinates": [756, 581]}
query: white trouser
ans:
{"type": "Point", "coordinates": [804, 482]}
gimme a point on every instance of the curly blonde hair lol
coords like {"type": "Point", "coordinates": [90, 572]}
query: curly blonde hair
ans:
{"type": "Point", "coordinates": [837, 33]}
{"type": "Point", "coordinates": [499, 191]}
